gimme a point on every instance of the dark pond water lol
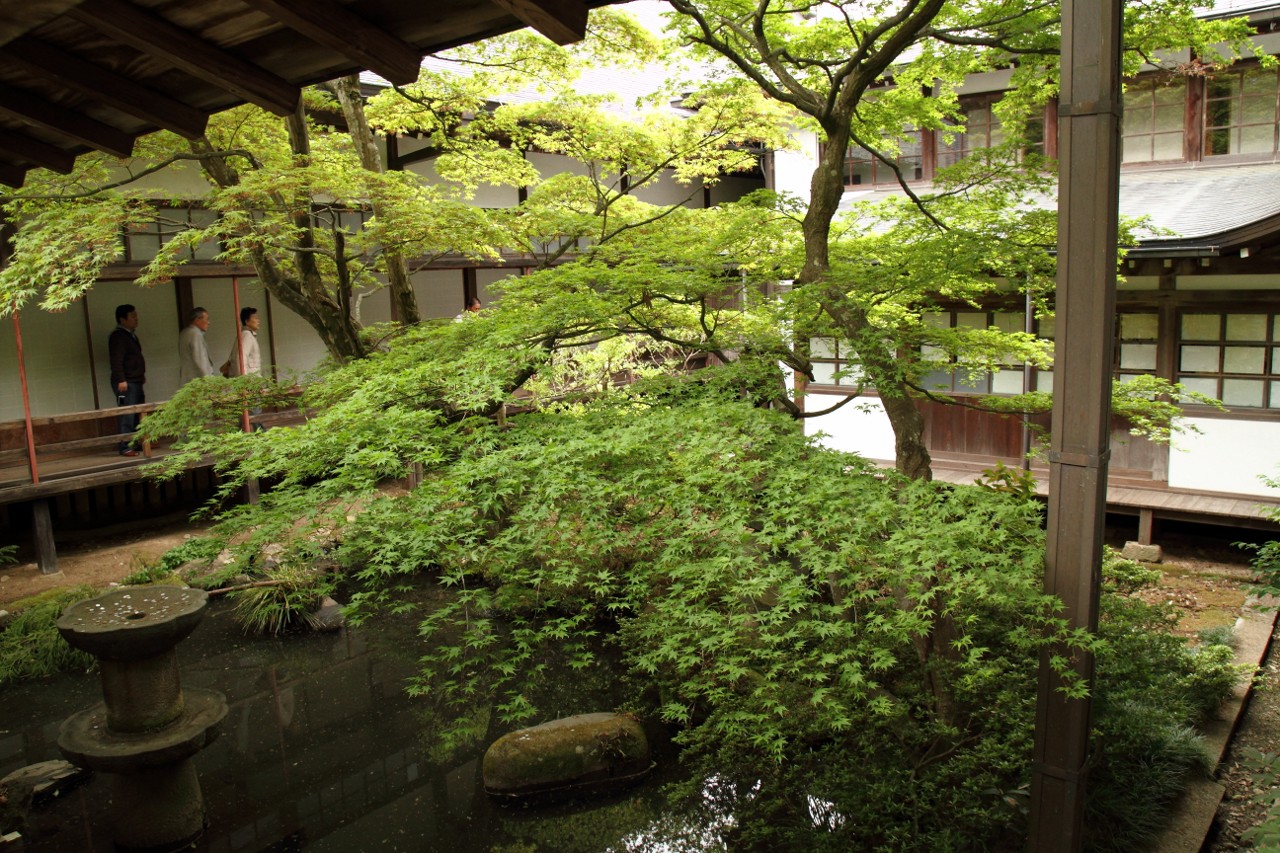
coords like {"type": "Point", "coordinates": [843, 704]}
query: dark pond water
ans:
{"type": "Point", "coordinates": [323, 750]}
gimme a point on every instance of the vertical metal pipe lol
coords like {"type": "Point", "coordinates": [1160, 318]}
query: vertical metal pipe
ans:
{"type": "Point", "coordinates": [26, 401]}
{"type": "Point", "coordinates": [1088, 198]}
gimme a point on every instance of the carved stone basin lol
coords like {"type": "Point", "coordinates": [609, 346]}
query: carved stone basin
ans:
{"type": "Point", "coordinates": [133, 623]}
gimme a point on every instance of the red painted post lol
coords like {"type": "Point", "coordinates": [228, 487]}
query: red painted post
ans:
{"type": "Point", "coordinates": [26, 402]}
{"type": "Point", "coordinates": [235, 300]}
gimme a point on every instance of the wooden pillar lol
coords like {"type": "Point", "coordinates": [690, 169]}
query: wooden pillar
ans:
{"type": "Point", "coordinates": [470, 285]}
{"type": "Point", "coordinates": [1088, 200]}
{"type": "Point", "coordinates": [46, 550]}
{"type": "Point", "coordinates": [1146, 525]}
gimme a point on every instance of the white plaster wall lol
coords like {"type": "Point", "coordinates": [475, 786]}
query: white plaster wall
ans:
{"type": "Point", "coordinates": [158, 327]}
{"type": "Point", "coordinates": [666, 191]}
{"type": "Point", "coordinates": [484, 278]}
{"type": "Point", "coordinates": [298, 348]}
{"type": "Point", "coordinates": [375, 305]}
{"type": "Point", "coordinates": [860, 427]}
{"type": "Point", "coordinates": [1226, 456]}
{"type": "Point", "coordinates": [486, 195]}
{"type": "Point", "coordinates": [56, 355]}
{"type": "Point", "coordinates": [555, 164]}
{"type": "Point", "coordinates": [732, 188]}
{"type": "Point", "coordinates": [1228, 282]}
{"type": "Point", "coordinates": [439, 292]}
{"type": "Point", "coordinates": [793, 168]}
{"type": "Point", "coordinates": [181, 180]}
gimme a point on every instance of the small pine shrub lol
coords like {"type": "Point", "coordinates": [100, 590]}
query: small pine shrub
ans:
{"type": "Point", "coordinates": [290, 601]}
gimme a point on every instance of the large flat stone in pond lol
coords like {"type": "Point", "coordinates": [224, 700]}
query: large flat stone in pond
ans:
{"type": "Point", "coordinates": [572, 752]}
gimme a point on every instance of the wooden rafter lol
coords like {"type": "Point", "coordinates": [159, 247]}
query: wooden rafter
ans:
{"type": "Point", "coordinates": [169, 43]}
{"type": "Point", "coordinates": [38, 111]}
{"type": "Point", "coordinates": [81, 74]}
{"type": "Point", "coordinates": [37, 152]}
{"type": "Point", "coordinates": [106, 86]}
{"type": "Point", "coordinates": [336, 27]}
{"type": "Point", "coordinates": [562, 21]}
{"type": "Point", "coordinates": [12, 176]}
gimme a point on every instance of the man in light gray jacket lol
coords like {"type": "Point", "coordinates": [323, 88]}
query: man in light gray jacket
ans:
{"type": "Point", "coordinates": [193, 350]}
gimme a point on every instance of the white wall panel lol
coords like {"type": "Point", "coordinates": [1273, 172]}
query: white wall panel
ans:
{"type": "Point", "coordinates": [733, 188]}
{"type": "Point", "coordinates": [793, 168]}
{"type": "Point", "coordinates": [860, 427]}
{"type": "Point", "coordinates": [439, 292]}
{"type": "Point", "coordinates": [56, 354]}
{"type": "Point", "coordinates": [375, 306]}
{"type": "Point", "coordinates": [486, 277]}
{"type": "Point", "coordinates": [158, 327]}
{"type": "Point", "coordinates": [554, 164]}
{"type": "Point", "coordinates": [667, 191]}
{"type": "Point", "coordinates": [486, 195]}
{"type": "Point", "coordinates": [299, 349]}
{"type": "Point", "coordinates": [1226, 456]}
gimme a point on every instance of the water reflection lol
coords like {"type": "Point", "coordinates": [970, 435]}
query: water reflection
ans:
{"type": "Point", "coordinates": [322, 750]}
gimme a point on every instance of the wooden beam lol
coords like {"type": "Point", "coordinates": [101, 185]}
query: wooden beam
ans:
{"type": "Point", "coordinates": [11, 175]}
{"type": "Point", "coordinates": [105, 85]}
{"type": "Point", "coordinates": [562, 21]}
{"type": "Point", "coordinates": [336, 27]}
{"type": "Point", "coordinates": [38, 111]}
{"type": "Point", "coordinates": [37, 152]}
{"type": "Point", "coordinates": [169, 43]}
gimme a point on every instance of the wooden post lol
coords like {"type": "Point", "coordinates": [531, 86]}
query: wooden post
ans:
{"type": "Point", "coordinates": [1088, 200]}
{"type": "Point", "coordinates": [46, 550]}
{"type": "Point", "coordinates": [1146, 525]}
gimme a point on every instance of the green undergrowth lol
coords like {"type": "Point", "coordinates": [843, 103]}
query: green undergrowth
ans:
{"type": "Point", "coordinates": [31, 647]}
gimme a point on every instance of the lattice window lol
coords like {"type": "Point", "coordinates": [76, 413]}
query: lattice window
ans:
{"type": "Point", "coordinates": [956, 377]}
{"type": "Point", "coordinates": [862, 169]}
{"type": "Point", "coordinates": [1240, 112]}
{"type": "Point", "coordinates": [1154, 124]}
{"type": "Point", "coordinates": [1234, 357]}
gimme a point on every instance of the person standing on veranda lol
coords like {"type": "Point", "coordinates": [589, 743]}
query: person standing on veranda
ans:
{"type": "Point", "coordinates": [128, 371]}
{"type": "Point", "coordinates": [246, 357]}
{"type": "Point", "coordinates": [193, 350]}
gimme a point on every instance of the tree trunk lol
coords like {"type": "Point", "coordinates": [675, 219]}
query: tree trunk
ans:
{"type": "Point", "coordinates": [911, 454]}
{"type": "Point", "coordinates": [348, 91]}
{"type": "Point", "coordinates": [305, 293]}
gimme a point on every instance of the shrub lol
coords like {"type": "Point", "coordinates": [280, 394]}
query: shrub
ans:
{"type": "Point", "coordinates": [31, 646]}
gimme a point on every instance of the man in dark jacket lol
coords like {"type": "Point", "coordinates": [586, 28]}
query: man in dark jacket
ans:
{"type": "Point", "coordinates": [128, 370]}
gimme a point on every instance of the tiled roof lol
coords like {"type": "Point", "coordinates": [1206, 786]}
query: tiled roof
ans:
{"type": "Point", "coordinates": [1229, 8]}
{"type": "Point", "coordinates": [1194, 204]}
{"type": "Point", "coordinates": [1200, 203]}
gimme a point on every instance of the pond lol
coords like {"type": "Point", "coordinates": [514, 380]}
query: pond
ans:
{"type": "Point", "coordinates": [324, 750]}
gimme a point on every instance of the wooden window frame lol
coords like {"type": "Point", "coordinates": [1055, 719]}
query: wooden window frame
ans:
{"type": "Point", "coordinates": [1268, 378]}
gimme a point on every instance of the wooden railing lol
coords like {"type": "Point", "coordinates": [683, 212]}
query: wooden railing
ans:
{"type": "Point", "coordinates": [28, 463]}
